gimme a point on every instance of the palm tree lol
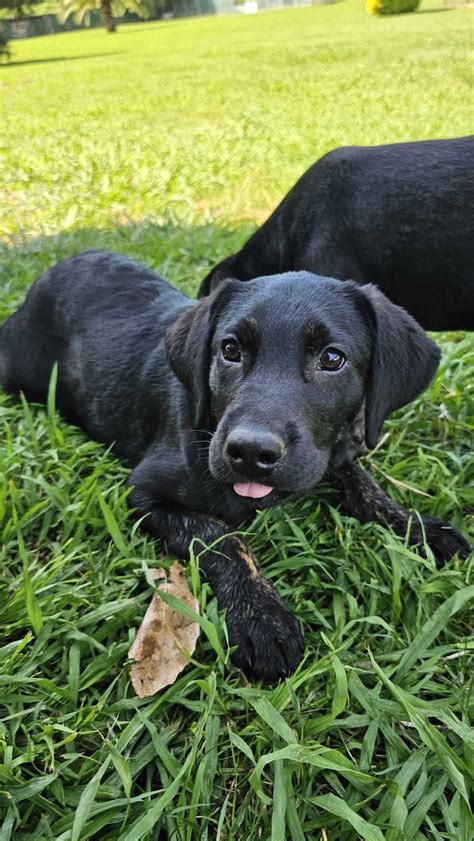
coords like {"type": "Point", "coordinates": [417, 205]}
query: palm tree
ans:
{"type": "Point", "coordinates": [107, 17]}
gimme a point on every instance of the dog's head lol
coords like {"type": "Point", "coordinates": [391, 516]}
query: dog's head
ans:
{"type": "Point", "coordinates": [281, 367]}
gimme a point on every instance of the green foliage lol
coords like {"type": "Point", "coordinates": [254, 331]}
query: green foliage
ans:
{"type": "Point", "coordinates": [391, 7]}
{"type": "Point", "coordinates": [37, 8]}
{"type": "Point", "coordinates": [5, 52]}
{"type": "Point", "coordinates": [18, 8]}
{"type": "Point", "coordinates": [159, 145]}
{"type": "Point", "coordinates": [81, 9]}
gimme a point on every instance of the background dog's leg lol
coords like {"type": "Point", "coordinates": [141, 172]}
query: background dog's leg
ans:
{"type": "Point", "coordinates": [364, 499]}
{"type": "Point", "coordinates": [269, 640]}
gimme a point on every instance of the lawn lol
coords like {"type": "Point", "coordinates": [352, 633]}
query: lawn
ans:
{"type": "Point", "coordinates": [170, 141]}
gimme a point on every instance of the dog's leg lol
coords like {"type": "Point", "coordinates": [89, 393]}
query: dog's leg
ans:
{"type": "Point", "coordinates": [364, 499]}
{"type": "Point", "coordinates": [268, 638]}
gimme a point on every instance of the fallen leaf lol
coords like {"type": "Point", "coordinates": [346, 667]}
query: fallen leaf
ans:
{"type": "Point", "coordinates": [166, 638]}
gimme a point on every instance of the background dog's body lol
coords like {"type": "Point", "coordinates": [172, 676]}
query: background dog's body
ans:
{"type": "Point", "coordinates": [398, 216]}
{"type": "Point", "coordinates": [141, 366]}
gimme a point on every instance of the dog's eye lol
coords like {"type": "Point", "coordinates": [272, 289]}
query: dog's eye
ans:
{"type": "Point", "coordinates": [331, 359]}
{"type": "Point", "coordinates": [231, 350]}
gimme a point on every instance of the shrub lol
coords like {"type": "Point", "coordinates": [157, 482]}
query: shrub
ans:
{"type": "Point", "coordinates": [5, 52]}
{"type": "Point", "coordinates": [391, 7]}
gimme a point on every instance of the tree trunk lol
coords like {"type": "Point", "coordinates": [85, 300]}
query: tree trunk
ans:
{"type": "Point", "coordinates": [107, 19]}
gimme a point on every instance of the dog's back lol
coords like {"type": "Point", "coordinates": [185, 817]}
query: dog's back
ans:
{"type": "Point", "coordinates": [399, 216]}
{"type": "Point", "coordinates": [102, 317]}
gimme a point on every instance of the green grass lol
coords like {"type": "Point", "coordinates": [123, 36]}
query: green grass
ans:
{"type": "Point", "coordinates": [169, 141]}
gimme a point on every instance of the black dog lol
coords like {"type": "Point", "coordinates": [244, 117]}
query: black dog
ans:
{"type": "Point", "coordinates": [399, 216]}
{"type": "Point", "coordinates": [225, 406]}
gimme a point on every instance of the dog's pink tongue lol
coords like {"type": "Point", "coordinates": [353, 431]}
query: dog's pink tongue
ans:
{"type": "Point", "coordinates": [252, 489]}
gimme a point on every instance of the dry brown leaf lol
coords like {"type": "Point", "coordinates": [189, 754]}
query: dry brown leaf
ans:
{"type": "Point", "coordinates": [166, 638]}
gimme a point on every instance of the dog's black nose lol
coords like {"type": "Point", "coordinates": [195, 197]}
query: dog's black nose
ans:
{"type": "Point", "coordinates": [251, 451]}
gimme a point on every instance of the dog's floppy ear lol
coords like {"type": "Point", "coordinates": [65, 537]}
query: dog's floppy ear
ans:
{"type": "Point", "coordinates": [404, 361]}
{"type": "Point", "coordinates": [188, 347]}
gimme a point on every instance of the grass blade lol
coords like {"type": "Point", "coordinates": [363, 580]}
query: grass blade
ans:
{"type": "Point", "coordinates": [432, 628]}
{"type": "Point", "coordinates": [86, 801]}
{"type": "Point", "coordinates": [340, 809]}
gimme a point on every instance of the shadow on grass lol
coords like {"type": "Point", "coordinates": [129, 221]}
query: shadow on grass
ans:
{"type": "Point", "coordinates": [60, 58]}
{"type": "Point", "coordinates": [138, 28]}
{"type": "Point", "coordinates": [435, 11]}
{"type": "Point", "coordinates": [180, 252]}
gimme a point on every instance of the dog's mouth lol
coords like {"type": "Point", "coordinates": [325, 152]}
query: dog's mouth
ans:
{"type": "Point", "coordinates": [265, 491]}
{"type": "Point", "coordinates": [261, 496]}
{"type": "Point", "coordinates": [252, 490]}
{"type": "Point", "coordinates": [257, 494]}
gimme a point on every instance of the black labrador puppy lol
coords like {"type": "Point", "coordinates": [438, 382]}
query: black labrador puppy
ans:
{"type": "Point", "coordinates": [399, 216]}
{"type": "Point", "coordinates": [225, 406]}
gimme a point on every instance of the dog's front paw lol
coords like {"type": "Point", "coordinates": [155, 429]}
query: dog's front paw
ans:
{"type": "Point", "coordinates": [444, 541]}
{"type": "Point", "coordinates": [268, 638]}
